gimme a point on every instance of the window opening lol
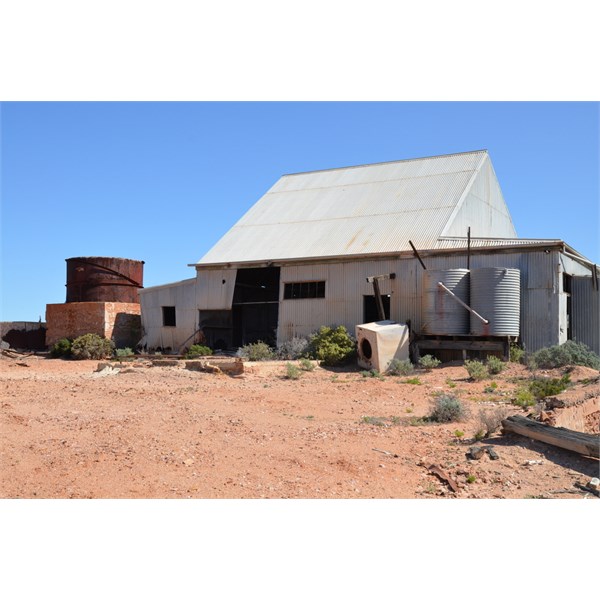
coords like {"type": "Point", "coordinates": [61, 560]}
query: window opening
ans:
{"type": "Point", "coordinates": [299, 290]}
{"type": "Point", "coordinates": [169, 319]}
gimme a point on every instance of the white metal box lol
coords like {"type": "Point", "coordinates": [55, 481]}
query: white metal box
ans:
{"type": "Point", "coordinates": [380, 342]}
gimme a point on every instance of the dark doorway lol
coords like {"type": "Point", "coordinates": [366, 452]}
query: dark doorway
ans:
{"type": "Point", "coordinates": [217, 328]}
{"type": "Point", "coordinates": [256, 306]}
{"type": "Point", "coordinates": [370, 308]}
{"type": "Point", "coordinates": [567, 289]}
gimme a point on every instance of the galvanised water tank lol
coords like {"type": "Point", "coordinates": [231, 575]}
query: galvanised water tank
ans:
{"type": "Point", "coordinates": [496, 296]}
{"type": "Point", "coordinates": [442, 314]}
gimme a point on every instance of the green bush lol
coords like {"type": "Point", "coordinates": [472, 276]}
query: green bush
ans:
{"type": "Point", "coordinates": [306, 364]}
{"type": "Point", "coordinates": [564, 355]}
{"type": "Point", "coordinates": [124, 353]}
{"type": "Point", "coordinates": [477, 370]}
{"type": "Point", "coordinates": [332, 346]}
{"type": "Point", "coordinates": [412, 381]}
{"type": "Point", "coordinates": [516, 353]}
{"type": "Point", "coordinates": [92, 346]}
{"type": "Point", "coordinates": [429, 362]}
{"type": "Point", "coordinates": [257, 351]}
{"type": "Point", "coordinates": [400, 367]}
{"type": "Point", "coordinates": [292, 371]}
{"type": "Point", "coordinates": [523, 398]}
{"type": "Point", "coordinates": [372, 373]}
{"type": "Point", "coordinates": [447, 408]}
{"type": "Point", "coordinates": [544, 387]}
{"type": "Point", "coordinates": [61, 349]}
{"type": "Point", "coordinates": [198, 350]}
{"type": "Point", "coordinates": [495, 365]}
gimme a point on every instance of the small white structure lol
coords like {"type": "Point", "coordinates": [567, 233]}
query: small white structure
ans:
{"type": "Point", "coordinates": [381, 342]}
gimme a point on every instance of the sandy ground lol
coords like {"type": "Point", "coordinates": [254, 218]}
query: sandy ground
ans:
{"type": "Point", "coordinates": [165, 432]}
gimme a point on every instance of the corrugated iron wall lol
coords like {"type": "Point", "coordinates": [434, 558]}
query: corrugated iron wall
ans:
{"type": "Point", "coordinates": [182, 296]}
{"type": "Point", "coordinates": [346, 284]}
{"type": "Point", "coordinates": [585, 317]}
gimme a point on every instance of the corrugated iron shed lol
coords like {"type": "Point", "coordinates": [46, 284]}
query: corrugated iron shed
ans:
{"type": "Point", "coordinates": [367, 210]}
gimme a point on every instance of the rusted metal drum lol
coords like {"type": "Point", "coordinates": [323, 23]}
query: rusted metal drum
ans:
{"type": "Point", "coordinates": [442, 314]}
{"type": "Point", "coordinates": [104, 279]}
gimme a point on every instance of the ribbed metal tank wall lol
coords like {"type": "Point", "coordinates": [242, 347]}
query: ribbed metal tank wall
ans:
{"type": "Point", "coordinates": [442, 314]}
{"type": "Point", "coordinates": [585, 318]}
{"type": "Point", "coordinates": [104, 279]}
{"type": "Point", "coordinates": [496, 296]}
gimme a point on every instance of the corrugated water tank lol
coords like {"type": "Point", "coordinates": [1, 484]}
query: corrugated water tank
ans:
{"type": "Point", "coordinates": [380, 342]}
{"type": "Point", "coordinates": [442, 314]}
{"type": "Point", "coordinates": [496, 296]}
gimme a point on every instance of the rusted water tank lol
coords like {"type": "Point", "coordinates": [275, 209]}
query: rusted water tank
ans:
{"type": "Point", "coordinates": [104, 279]}
{"type": "Point", "coordinates": [496, 296]}
{"type": "Point", "coordinates": [442, 315]}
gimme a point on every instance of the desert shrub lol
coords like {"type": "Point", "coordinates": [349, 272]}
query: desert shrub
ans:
{"type": "Point", "coordinates": [332, 346]}
{"type": "Point", "coordinates": [477, 370]}
{"type": "Point", "coordinates": [198, 350]}
{"type": "Point", "coordinates": [292, 371]}
{"type": "Point", "coordinates": [257, 351]}
{"type": "Point", "coordinates": [92, 346]}
{"type": "Point", "coordinates": [306, 364]}
{"type": "Point", "coordinates": [400, 367]}
{"type": "Point", "coordinates": [550, 386]}
{"type": "Point", "coordinates": [124, 353]}
{"type": "Point", "coordinates": [447, 408]}
{"type": "Point", "coordinates": [412, 381]}
{"type": "Point", "coordinates": [564, 355]}
{"type": "Point", "coordinates": [495, 365]}
{"type": "Point", "coordinates": [491, 420]}
{"type": "Point", "coordinates": [292, 349]}
{"type": "Point", "coordinates": [372, 373]}
{"type": "Point", "coordinates": [523, 398]}
{"type": "Point", "coordinates": [429, 362]}
{"type": "Point", "coordinates": [61, 349]}
{"type": "Point", "coordinates": [516, 353]}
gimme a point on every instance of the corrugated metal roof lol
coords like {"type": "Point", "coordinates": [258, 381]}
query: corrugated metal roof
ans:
{"type": "Point", "coordinates": [366, 209]}
{"type": "Point", "coordinates": [461, 242]}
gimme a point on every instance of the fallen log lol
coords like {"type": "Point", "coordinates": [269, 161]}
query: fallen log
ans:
{"type": "Point", "coordinates": [582, 443]}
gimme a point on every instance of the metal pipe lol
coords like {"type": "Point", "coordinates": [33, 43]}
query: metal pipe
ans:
{"type": "Point", "coordinates": [417, 255]}
{"type": "Point", "coordinates": [469, 248]}
{"type": "Point", "coordinates": [462, 303]}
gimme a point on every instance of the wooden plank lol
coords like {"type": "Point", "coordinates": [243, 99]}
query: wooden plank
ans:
{"type": "Point", "coordinates": [444, 477]}
{"type": "Point", "coordinates": [459, 345]}
{"type": "Point", "coordinates": [575, 441]}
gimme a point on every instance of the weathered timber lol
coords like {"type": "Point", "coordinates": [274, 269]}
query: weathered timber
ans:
{"type": "Point", "coordinates": [575, 441]}
{"type": "Point", "coordinates": [459, 345]}
{"type": "Point", "coordinates": [444, 477]}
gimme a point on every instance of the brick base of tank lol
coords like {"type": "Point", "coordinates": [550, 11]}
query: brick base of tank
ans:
{"type": "Point", "coordinates": [118, 321]}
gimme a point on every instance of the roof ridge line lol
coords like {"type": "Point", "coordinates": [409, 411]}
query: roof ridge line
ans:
{"type": "Point", "coordinates": [386, 162]}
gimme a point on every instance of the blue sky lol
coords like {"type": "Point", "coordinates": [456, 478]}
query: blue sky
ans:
{"type": "Point", "coordinates": [162, 182]}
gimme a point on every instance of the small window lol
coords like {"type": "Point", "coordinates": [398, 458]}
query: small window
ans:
{"type": "Point", "coordinates": [304, 289]}
{"type": "Point", "coordinates": [169, 316]}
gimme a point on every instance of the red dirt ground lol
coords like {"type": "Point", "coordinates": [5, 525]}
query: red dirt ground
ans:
{"type": "Point", "coordinates": [166, 432]}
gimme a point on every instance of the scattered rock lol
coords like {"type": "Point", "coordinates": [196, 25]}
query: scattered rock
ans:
{"type": "Point", "coordinates": [475, 452]}
{"type": "Point", "coordinates": [529, 463]}
{"type": "Point", "coordinates": [594, 484]}
{"type": "Point", "coordinates": [491, 453]}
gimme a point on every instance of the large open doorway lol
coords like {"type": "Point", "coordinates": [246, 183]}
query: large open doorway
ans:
{"type": "Point", "coordinates": [256, 306]}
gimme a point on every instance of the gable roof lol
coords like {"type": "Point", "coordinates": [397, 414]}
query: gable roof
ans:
{"type": "Point", "coordinates": [368, 210]}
